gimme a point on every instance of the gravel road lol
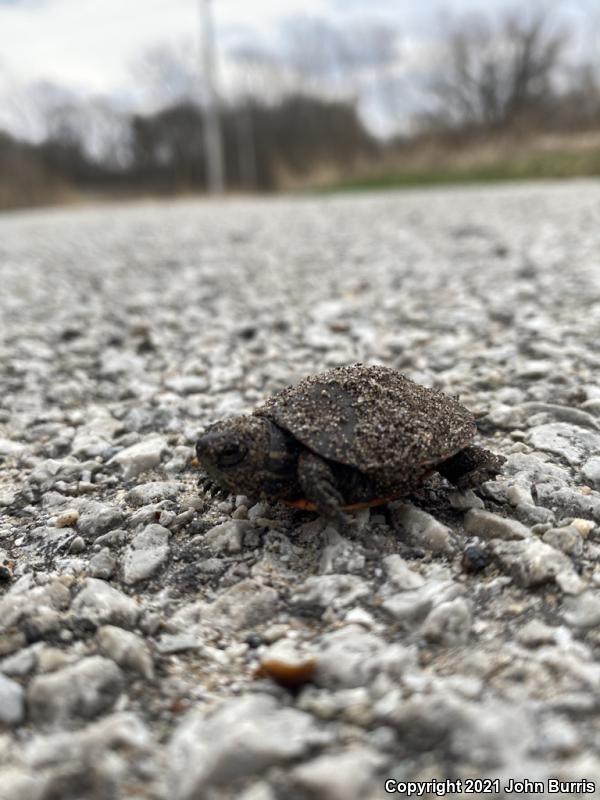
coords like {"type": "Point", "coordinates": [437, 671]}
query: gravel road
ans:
{"type": "Point", "coordinates": [144, 627]}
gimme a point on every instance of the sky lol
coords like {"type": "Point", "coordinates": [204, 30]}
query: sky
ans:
{"type": "Point", "coordinates": [90, 46]}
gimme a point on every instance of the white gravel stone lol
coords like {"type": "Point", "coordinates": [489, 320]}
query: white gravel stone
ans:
{"type": "Point", "coordinates": [568, 539]}
{"type": "Point", "coordinates": [126, 649]}
{"type": "Point", "coordinates": [465, 500]}
{"type": "Point", "coordinates": [99, 518]}
{"type": "Point", "coordinates": [487, 525]}
{"type": "Point", "coordinates": [20, 663]}
{"type": "Point", "coordinates": [77, 545]}
{"type": "Point", "coordinates": [536, 633]}
{"type": "Point", "coordinates": [141, 457]}
{"type": "Point", "coordinates": [101, 603]}
{"type": "Point", "coordinates": [152, 492]}
{"type": "Point", "coordinates": [83, 690]}
{"type": "Point", "coordinates": [449, 623]}
{"type": "Point", "coordinates": [244, 737]}
{"type": "Point", "coordinates": [18, 782]}
{"type": "Point", "coordinates": [243, 605]}
{"type": "Point", "coordinates": [331, 591]}
{"type": "Point", "coordinates": [571, 442]}
{"type": "Point", "coordinates": [342, 776]}
{"type": "Point", "coordinates": [583, 611]}
{"type": "Point", "coordinates": [351, 657]}
{"type": "Point", "coordinates": [530, 562]}
{"type": "Point", "coordinates": [103, 564]}
{"type": "Point", "coordinates": [228, 537]}
{"type": "Point", "coordinates": [411, 607]}
{"type": "Point", "coordinates": [12, 705]}
{"type": "Point", "coordinates": [400, 574]}
{"type": "Point", "coordinates": [148, 551]}
{"type": "Point", "coordinates": [569, 582]}
{"type": "Point", "coordinates": [423, 529]}
{"type": "Point", "coordinates": [569, 502]}
{"type": "Point", "coordinates": [591, 472]}
{"type": "Point", "coordinates": [10, 448]}
{"type": "Point", "coordinates": [178, 643]}
{"type": "Point", "coordinates": [519, 495]}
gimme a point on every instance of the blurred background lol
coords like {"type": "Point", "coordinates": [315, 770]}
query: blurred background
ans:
{"type": "Point", "coordinates": [144, 97]}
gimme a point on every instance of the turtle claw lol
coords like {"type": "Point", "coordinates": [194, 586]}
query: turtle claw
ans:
{"type": "Point", "coordinates": [210, 488]}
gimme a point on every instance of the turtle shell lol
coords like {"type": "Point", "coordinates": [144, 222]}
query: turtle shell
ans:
{"type": "Point", "coordinates": [372, 418]}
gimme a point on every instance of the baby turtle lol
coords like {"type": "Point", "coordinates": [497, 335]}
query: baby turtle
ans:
{"type": "Point", "coordinates": [349, 438]}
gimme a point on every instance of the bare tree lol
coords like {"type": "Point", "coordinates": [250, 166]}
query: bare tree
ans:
{"type": "Point", "coordinates": [353, 62]}
{"type": "Point", "coordinates": [259, 73]}
{"type": "Point", "coordinates": [492, 72]}
{"type": "Point", "coordinates": [168, 74]}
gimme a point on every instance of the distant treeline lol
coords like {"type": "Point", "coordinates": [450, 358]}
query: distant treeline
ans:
{"type": "Point", "coordinates": [297, 121]}
{"type": "Point", "coordinates": [288, 141]}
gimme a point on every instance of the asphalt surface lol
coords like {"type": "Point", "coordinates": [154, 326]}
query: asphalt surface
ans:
{"type": "Point", "coordinates": [149, 633]}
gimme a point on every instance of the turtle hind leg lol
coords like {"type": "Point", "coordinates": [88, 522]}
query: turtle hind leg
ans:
{"type": "Point", "coordinates": [319, 486]}
{"type": "Point", "coordinates": [471, 467]}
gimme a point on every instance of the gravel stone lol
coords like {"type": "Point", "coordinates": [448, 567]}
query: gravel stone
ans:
{"type": "Point", "coordinates": [148, 552]}
{"type": "Point", "coordinates": [423, 529]}
{"type": "Point", "coordinates": [12, 706]}
{"type": "Point", "coordinates": [492, 526]}
{"type": "Point", "coordinates": [567, 539]}
{"type": "Point", "coordinates": [177, 643]}
{"type": "Point", "coordinates": [535, 633]}
{"type": "Point", "coordinates": [345, 776]}
{"type": "Point", "coordinates": [228, 537]}
{"type": "Point", "coordinates": [20, 663]}
{"type": "Point", "coordinates": [449, 623]}
{"type": "Point", "coordinates": [530, 562]}
{"type": "Point", "coordinates": [77, 545]}
{"type": "Point", "coordinates": [19, 783]}
{"type": "Point", "coordinates": [569, 441]}
{"type": "Point", "coordinates": [67, 518]}
{"type": "Point", "coordinates": [101, 603]}
{"type": "Point", "coordinates": [244, 737]}
{"type": "Point", "coordinates": [140, 457]}
{"type": "Point", "coordinates": [591, 472]}
{"type": "Point", "coordinates": [103, 564]}
{"type": "Point", "coordinates": [81, 691]}
{"type": "Point", "coordinates": [151, 492]}
{"type": "Point", "coordinates": [400, 574]}
{"type": "Point", "coordinates": [98, 520]}
{"type": "Point", "coordinates": [465, 500]}
{"type": "Point", "coordinates": [413, 606]}
{"type": "Point", "coordinates": [345, 657]}
{"type": "Point", "coordinates": [126, 649]}
{"type": "Point", "coordinates": [10, 448]}
{"type": "Point", "coordinates": [583, 611]}
{"type": "Point", "coordinates": [335, 591]}
{"type": "Point", "coordinates": [246, 604]}
{"type": "Point", "coordinates": [569, 502]}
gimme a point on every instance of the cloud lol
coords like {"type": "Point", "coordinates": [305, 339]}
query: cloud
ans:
{"type": "Point", "coordinates": [90, 46]}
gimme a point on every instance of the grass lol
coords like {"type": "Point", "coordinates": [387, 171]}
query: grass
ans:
{"type": "Point", "coordinates": [528, 166]}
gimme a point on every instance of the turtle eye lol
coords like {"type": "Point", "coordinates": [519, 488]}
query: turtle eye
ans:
{"type": "Point", "coordinates": [232, 455]}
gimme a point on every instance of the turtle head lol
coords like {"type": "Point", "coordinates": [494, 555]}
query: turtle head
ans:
{"type": "Point", "coordinates": [234, 451]}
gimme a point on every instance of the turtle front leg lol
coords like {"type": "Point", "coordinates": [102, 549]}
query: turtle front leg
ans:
{"type": "Point", "coordinates": [471, 467]}
{"type": "Point", "coordinates": [318, 484]}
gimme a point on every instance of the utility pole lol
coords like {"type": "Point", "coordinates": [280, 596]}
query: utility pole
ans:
{"type": "Point", "coordinates": [213, 138]}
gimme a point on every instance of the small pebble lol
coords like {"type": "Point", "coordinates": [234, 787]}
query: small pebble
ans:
{"type": "Point", "coordinates": [67, 518]}
{"type": "Point", "coordinates": [77, 545]}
